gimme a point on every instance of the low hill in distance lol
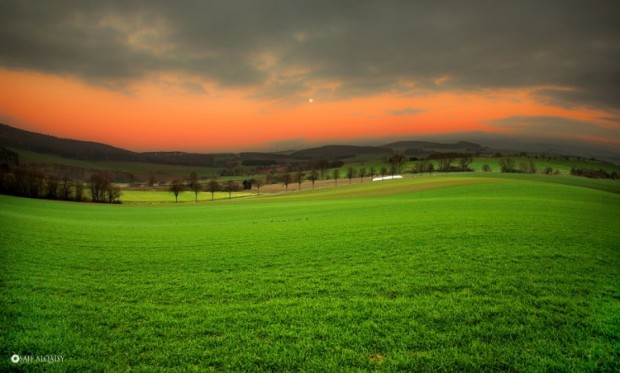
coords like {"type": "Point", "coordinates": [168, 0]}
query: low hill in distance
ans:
{"type": "Point", "coordinates": [14, 138]}
{"type": "Point", "coordinates": [339, 152]}
{"type": "Point", "coordinates": [26, 141]}
{"type": "Point", "coordinates": [423, 148]}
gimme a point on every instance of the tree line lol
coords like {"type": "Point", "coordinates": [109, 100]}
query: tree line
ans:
{"type": "Point", "coordinates": [594, 174]}
{"type": "Point", "coordinates": [30, 181]}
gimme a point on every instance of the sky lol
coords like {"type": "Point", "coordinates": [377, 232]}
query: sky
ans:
{"type": "Point", "coordinates": [232, 75]}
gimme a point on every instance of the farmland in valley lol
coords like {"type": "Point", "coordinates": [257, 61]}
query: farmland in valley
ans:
{"type": "Point", "coordinates": [467, 272]}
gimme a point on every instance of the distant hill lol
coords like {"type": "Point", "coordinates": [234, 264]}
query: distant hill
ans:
{"type": "Point", "coordinates": [338, 152]}
{"type": "Point", "coordinates": [11, 137]}
{"type": "Point", "coordinates": [84, 150]}
{"type": "Point", "coordinates": [417, 148]}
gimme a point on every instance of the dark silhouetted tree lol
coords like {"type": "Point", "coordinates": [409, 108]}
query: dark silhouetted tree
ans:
{"type": "Point", "coordinates": [336, 175]}
{"type": "Point", "coordinates": [231, 186]}
{"type": "Point", "coordinates": [486, 168]}
{"type": "Point", "coordinates": [286, 179]}
{"type": "Point", "coordinates": [507, 165]}
{"type": "Point", "coordinates": [113, 193]}
{"type": "Point", "coordinates": [99, 183]}
{"type": "Point", "coordinates": [445, 163]}
{"type": "Point", "coordinates": [313, 177]}
{"type": "Point", "coordinates": [194, 185]}
{"type": "Point", "coordinates": [465, 161]}
{"type": "Point", "coordinates": [362, 174]}
{"type": "Point", "coordinates": [258, 183]}
{"type": "Point", "coordinates": [350, 174]}
{"type": "Point", "coordinates": [422, 166]}
{"type": "Point", "coordinates": [322, 165]}
{"type": "Point", "coordinates": [397, 160]}
{"type": "Point", "coordinates": [212, 187]}
{"type": "Point", "coordinates": [176, 187]}
{"type": "Point", "coordinates": [299, 178]}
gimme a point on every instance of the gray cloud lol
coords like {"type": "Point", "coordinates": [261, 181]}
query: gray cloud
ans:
{"type": "Point", "coordinates": [405, 111]}
{"type": "Point", "coordinates": [283, 48]}
{"type": "Point", "coordinates": [552, 127]}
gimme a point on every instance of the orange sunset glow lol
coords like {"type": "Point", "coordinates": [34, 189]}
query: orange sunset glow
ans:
{"type": "Point", "coordinates": [255, 93]}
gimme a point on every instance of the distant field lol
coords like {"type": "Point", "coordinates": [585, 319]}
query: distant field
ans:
{"type": "Point", "coordinates": [138, 168]}
{"type": "Point", "coordinates": [166, 172]}
{"type": "Point", "coordinates": [469, 272]}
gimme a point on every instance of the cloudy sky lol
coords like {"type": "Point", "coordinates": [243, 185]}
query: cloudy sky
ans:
{"type": "Point", "coordinates": [233, 75]}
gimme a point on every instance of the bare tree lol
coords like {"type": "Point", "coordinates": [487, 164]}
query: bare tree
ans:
{"type": "Point", "coordinates": [322, 165]}
{"type": "Point", "coordinates": [313, 177]}
{"type": "Point", "coordinates": [422, 166]}
{"type": "Point", "coordinates": [113, 193]}
{"type": "Point", "coordinates": [465, 161]}
{"type": "Point", "coordinates": [176, 187]}
{"type": "Point", "coordinates": [231, 186]}
{"type": "Point", "coordinates": [194, 185]}
{"type": "Point", "coordinates": [397, 160]}
{"type": "Point", "coordinates": [213, 186]}
{"type": "Point", "coordinates": [350, 174]}
{"type": "Point", "coordinates": [299, 178]}
{"type": "Point", "coordinates": [286, 180]}
{"type": "Point", "coordinates": [392, 170]}
{"type": "Point", "coordinates": [99, 183]}
{"type": "Point", "coordinates": [445, 163]}
{"type": "Point", "coordinates": [258, 183]}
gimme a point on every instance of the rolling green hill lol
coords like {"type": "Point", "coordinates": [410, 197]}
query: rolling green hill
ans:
{"type": "Point", "coordinates": [456, 273]}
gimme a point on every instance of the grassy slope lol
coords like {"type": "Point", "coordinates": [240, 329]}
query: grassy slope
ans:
{"type": "Point", "coordinates": [454, 273]}
{"type": "Point", "coordinates": [158, 197]}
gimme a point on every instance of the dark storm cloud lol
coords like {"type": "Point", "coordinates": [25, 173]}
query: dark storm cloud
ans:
{"type": "Point", "coordinates": [554, 127]}
{"type": "Point", "coordinates": [282, 48]}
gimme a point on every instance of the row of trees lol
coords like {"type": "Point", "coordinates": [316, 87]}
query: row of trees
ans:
{"type": "Point", "coordinates": [594, 174]}
{"type": "Point", "coordinates": [30, 182]}
{"type": "Point", "coordinates": [193, 184]}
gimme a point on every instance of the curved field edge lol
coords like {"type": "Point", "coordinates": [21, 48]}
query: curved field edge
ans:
{"type": "Point", "coordinates": [498, 274]}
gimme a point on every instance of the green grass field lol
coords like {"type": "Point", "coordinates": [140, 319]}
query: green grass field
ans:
{"type": "Point", "coordinates": [160, 196]}
{"type": "Point", "coordinates": [445, 273]}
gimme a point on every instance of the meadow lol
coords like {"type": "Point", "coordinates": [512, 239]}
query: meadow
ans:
{"type": "Point", "coordinates": [470, 272]}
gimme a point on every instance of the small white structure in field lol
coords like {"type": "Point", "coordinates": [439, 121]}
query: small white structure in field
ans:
{"type": "Point", "coordinates": [381, 178]}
